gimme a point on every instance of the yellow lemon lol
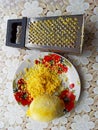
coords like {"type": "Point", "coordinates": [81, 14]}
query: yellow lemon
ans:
{"type": "Point", "coordinates": [46, 108]}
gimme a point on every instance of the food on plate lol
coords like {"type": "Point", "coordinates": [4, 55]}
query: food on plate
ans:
{"type": "Point", "coordinates": [41, 80]}
{"type": "Point", "coordinates": [44, 90]}
{"type": "Point", "coordinates": [46, 108]}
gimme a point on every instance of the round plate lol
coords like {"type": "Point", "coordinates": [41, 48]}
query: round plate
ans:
{"type": "Point", "coordinates": [68, 73]}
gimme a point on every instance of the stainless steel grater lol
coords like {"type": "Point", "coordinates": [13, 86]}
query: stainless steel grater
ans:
{"type": "Point", "coordinates": [57, 33]}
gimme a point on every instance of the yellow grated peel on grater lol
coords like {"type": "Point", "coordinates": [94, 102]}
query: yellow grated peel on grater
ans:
{"type": "Point", "coordinates": [56, 33]}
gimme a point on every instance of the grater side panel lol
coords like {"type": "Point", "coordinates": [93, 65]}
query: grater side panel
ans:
{"type": "Point", "coordinates": [56, 33]}
{"type": "Point", "coordinates": [27, 32]}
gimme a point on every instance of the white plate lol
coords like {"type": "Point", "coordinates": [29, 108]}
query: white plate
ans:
{"type": "Point", "coordinates": [70, 77]}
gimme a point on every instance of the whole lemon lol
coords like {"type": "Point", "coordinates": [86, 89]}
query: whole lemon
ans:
{"type": "Point", "coordinates": [46, 108]}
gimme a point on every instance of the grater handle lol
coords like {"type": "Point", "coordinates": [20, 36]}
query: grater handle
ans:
{"type": "Point", "coordinates": [12, 31]}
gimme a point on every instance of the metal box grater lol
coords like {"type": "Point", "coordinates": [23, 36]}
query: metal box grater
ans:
{"type": "Point", "coordinates": [57, 33]}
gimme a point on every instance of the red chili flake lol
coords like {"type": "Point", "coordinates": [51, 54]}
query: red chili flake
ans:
{"type": "Point", "coordinates": [72, 85]}
{"type": "Point", "coordinates": [69, 98]}
{"type": "Point", "coordinates": [37, 61]}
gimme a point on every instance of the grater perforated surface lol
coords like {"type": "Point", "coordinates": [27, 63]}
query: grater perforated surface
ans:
{"type": "Point", "coordinates": [59, 31]}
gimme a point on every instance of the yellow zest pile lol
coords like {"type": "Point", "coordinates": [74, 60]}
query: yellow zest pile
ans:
{"type": "Point", "coordinates": [41, 80]}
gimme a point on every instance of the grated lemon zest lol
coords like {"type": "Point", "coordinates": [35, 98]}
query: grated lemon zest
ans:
{"type": "Point", "coordinates": [41, 80]}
